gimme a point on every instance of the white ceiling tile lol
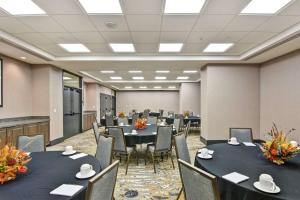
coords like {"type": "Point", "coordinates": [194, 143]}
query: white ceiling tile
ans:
{"type": "Point", "coordinates": [240, 48]}
{"type": "Point", "coordinates": [257, 37]}
{"type": "Point", "coordinates": [146, 48]}
{"type": "Point", "coordinates": [61, 37]}
{"type": "Point", "coordinates": [173, 37]}
{"type": "Point", "coordinates": [144, 22]}
{"type": "Point", "coordinates": [34, 38]}
{"type": "Point", "coordinates": [89, 37]}
{"type": "Point", "coordinates": [100, 22]}
{"type": "Point", "coordinates": [292, 9]}
{"type": "Point", "coordinates": [100, 48]}
{"type": "Point", "coordinates": [224, 36]}
{"type": "Point", "coordinates": [11, 25]}
{"type": "Point", "coordinates": [178, 22]}
{"type": "Point", "coordinates": [279, 23]}
{"type": "Point", "coordinates": [246, 22]}
{"type": "Point", "coordinates": [221, 7]}
{"type": "Point", "coordinates": [193, 48]}
{"type": "Point", "coordinates": [59, 7]}
{"type": "Point", "coordinates": [2, 13]}
{"type": "Point", "coordinates": [75, 23]}
{"type": "Point", "coordinates": [143, 6]}
{"type": "Point", "coordinates": [145, 37]}
{"type": "Point", "coordinates": [201, 37]}
{"type": "Point", "coordinates": [117, 37]}
{"type": "Point", "coordinates": [212, 22]}
{"type": "Point", "coordinates": [42, 23]}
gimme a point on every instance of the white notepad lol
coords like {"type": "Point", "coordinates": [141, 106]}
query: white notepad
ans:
{"type": "Point", "coordinates": [249, 144]}
{"type": "Point", "coordinates": [235, 177]}
{"type": "Point", "coordinates": [66, 190]}
{"type": "Point", "coordinates": [79, 155]}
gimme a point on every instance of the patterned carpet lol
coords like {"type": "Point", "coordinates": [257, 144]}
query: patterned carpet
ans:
{"type": "Point", "coordinates": [165, 184]}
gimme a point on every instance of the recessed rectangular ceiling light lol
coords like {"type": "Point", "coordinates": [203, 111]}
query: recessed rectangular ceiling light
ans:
{"type": "Point", "coordinates": [143, 87]}
{"type": "Point", "coordinates": [116, 77]}
{"type": "Point", "coordinates": [160, 77]}
{"type": "Point", "coordinates": [75, 48]}
{"type": "Point", "coordinates": [170, 47]}
{"type": "Point", "coordinates": [157, 87]}
{"type": "Point", "coordinates": [128, 87]}
{"type": "Point", "coordinates": [116, 47]}
{"type": "Point", "coordinates": [21, 7]}
{"type": "Point", "coordinates": [264, 6]}
{"type": "Point", "coordinates": [107, 71]}
{"type": "Point", "coordinates": [134, 71]}
{"type": "Point", "coordinates": [172, 87]}
{"type": "Point", "coordinates": [182, 77]}
{"type": "Point", "coordinates": [217, 47]}
{"type": "Point", "coordinates": [183, 6]}
{"type": "Point", "coordinates": [162, 71]}
{"type": "Point", "coordinates": [101, 6]}
{"type": "Point", "coordinates": [138, 78]}
{"type": "Point", "coordinates": [190, 71]}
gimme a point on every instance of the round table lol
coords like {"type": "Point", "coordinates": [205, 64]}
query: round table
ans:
{"type": "Point", "coordinates": [192, 119]}
{"type": "Point", "coordinates": [143, 136]}
{"type": "Point", "coordinates": [47, 171]}
{"type": "Point", "coordinates": [249, 161]}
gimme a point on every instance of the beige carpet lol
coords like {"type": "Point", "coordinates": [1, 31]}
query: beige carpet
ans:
{"type": "Point", "coordinates": [165, 184]}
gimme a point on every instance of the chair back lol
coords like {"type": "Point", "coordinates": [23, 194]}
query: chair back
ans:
{"type": "Point", "coordinates": [182, 151]}
{"type": "Point", "coordinates": [31, 143]}
{"type": "Point", "coordinates": [135, 116]}
{"type": "Point", "coordinates": [197, 184]}
{"type": "Point", "coordinates": [170, 114]}
{"type": "Point", "coordinates": [96, 131]}
{"type": "Point", "coordinates": [104, 150]}
{"type": "Point", "coordinates": [118, 134]}
{"type": "Point", "coordinates": [123, 120]}
{"type": "Point", "coordinates": [241, 134]}
{"type": "Point", "coordinates": [161, 112]}
{"type": "Point", "coordinates": [177, 124]}
{"type": "Point", "coordinates": [187, 129]}
{"type": "Point", "coordinates": [102, 186]}
{"type": "Point", "coordinates": [152, 120]}
{"type": "Point", "coordinates": [109, 120]}
{"type": "Point", "coordinates": [163, 139]}
{"type": "Point", "coordinates": [146, 113]}
{"type": "Point", "coordinates": [191, 114]}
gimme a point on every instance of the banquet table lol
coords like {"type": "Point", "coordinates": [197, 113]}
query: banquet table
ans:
{"type": "Point", "coordinates": [103, 123]}
{"type": "Point", "coordinates": [47, 171]}
{"type": "Point", "coordinates": [249, 161]}
{"type": "Point", "coordinates": [192, 119]}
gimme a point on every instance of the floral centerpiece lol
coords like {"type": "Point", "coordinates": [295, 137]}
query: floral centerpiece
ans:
{"type": "Point", "coordinates": [186, 114]}
{"type": "Point", "coordinates": [279, 149]}
{"type": "Point", "coordinates": [140, 123]}
{"type": "Point", "coordinates": [12, 161]}
{"type": "Point", "coordinates": [121, 114]}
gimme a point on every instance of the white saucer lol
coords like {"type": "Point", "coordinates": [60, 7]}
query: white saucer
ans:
{"type": "Point", "coordinates": [206, 157]}
{"type": "Point", "coordinates": [67, 154]}
{"type": "Point", "coordinates": [134, 133]}
{"type": "Point", "coordinates": [148, 124]}
{"type": "Point", "coordinates": [257, 186]}
{"type": "Point", "coordinates": [211, 152]}
{"type": "Point", "coordinates": [92, 173]}
{"type": "Point", "coordinates": [154, 133]}
{"type": "Point", "coordinates": [233, 143]}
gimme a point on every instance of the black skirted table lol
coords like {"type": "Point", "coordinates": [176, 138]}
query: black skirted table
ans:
{"type": "Point", "coordinates": [249, 161]}
{"type": "Point", "coordinates": [192, 119]}
{"type": "Point", "coordinates": [47, 171]}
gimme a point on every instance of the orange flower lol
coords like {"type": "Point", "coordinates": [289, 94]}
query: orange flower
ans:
{"type": "Point", "coordinates": [274, 152]}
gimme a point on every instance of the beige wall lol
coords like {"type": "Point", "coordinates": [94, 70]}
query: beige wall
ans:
{"type": "Point", "coordinates": [155, 100]}
{"type": "Point", "coordinates": [280, 95]}
{"type": "Point", "coordinates": [204, 107]}
{"type": "Point", "coordinates": [232, 100]}
{"type": "Point", "coordinates": [189, 98]}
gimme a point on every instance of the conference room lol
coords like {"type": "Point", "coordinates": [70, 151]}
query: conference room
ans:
{"type": "Point", "coordinates": [140, 99]}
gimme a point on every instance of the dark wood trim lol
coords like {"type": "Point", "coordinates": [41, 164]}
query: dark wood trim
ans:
{"type": "Point", "coordinates": [210, 142]}
{"type": "Point", "coordinates": [57, 141]}
{"type": "Point", "coordinates": [203, 140]}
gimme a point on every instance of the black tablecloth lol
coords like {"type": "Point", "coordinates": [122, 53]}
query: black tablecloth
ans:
{"type": "Point", "coordinates": [250, 162]}
{"type": "Point", "coordinates": [143, 136]}
{"type": "Point", "coordinates": [193, 119]}
{"type": "Point", "coordinates": [103, 123]}
{"type": "Point", "coordinates": [47, 171]}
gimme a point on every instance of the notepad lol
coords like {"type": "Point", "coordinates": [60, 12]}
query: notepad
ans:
{"type": "Point", "coordinates": [66, 190]}
{"type": "Point", "coordinates": [79, 155]}
{"type": "Point", "coordinates": [235, 177]}
{"type": "Point", "coordinates": [249, 144]}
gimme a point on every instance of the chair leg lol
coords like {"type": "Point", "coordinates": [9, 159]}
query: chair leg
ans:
{"type": "Point", "coordinates": [137, 157]}
{"type": "Point", "coordinates": [153, 160]}
{"type": "Point", "coordinates": [172, 159]}
{"type": "Point", "coordinates": [127, 163]}
{"type": "Point", "coordinates": [180, 193]}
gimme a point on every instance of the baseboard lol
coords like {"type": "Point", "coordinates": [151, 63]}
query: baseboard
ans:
{"type": "Point", "coordinates": [57, 141]}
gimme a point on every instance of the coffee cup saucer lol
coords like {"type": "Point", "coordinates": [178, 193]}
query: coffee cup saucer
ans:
{"type": "Point", "coordinates": [259, 187]}
{"type": "Point", "coordinates": [134, 133]}
{"type": "Point", "coordinates": [90, 174]}
{"type": "Point", "coordinates": [233, 143]}
{"type": "Point", "coordinates": [207, 157]}
{"type": "Point", "coordinates": [68, 153]}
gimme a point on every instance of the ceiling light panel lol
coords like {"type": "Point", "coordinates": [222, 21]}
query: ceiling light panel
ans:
{"type": "Point", "coordinates": [134, 71]}
{"type": "Point", "coordinates": [265, 6]}
{"type": "Point", "coordinates": [217, 47]}
{"type": "Point", "coordinates": [143, 87]}
{"type": "Point", "coordinates": [182, 77]}
{"type": "Point", "coordinates": [128, 87]}
{"type": "Point", "coordinates": [172, 87]}
{"type": "Point", "coordinates": [157, 87]}
{"type": "Point", "coordinates": [170, 47]}
{"type": "Point", "coordinates": [183, 6]}
{"type": "Point", "coordinates": [21, 7]}
{"type": "Point", "coordinates": [116, 77]}
{"type": "Point", "coordinates": [75, 48]}
{"type": "Point", "coordinates": [107, 71]}
{"type": "Point", "coordinates": [101, 6]}
{"type": "Point", "coordinates": [116, 47]}
{"type": "Point", "coordinates": [190, 71]}
{"type": "Point", "coordinates": [138, 78]}
{"type": "Point", "coordinates": [160, 77]}
{"type": "Point", "coordinates": [162, 71]}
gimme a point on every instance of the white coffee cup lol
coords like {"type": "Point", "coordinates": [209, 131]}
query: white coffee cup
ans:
{"type": "Point", "coordinates": [85, 169]}
{"type": "Point", "coordinates": [233, 140]}
{"type": "Point", "coordinates": [266, 182]}
{"type": "Point", "coordinates": [204, 152]}
{"type": "Point", "coordinates": [121, 124]}
{"type": "Point", "coordinates": [294, 143]}
{"type": "Point", "coordinates": [133, 131]}
{"type": "Point", "coordinates": [68, 149]}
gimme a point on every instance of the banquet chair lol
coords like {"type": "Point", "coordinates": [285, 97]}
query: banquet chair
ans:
{"type": "Point", "coordinates": [163, 145]}
{"type": "Point", "coordinates": [197, 184]}
{"type": "Point", "coordinates": [177, 124]}
{"type": "Point", "coordinates": [102, 186]}
{"type": "Point", "coordinates": [123, 120]}
{"type": "Point", "coordinates": [109, 120]}
{"type": "Point", "coordinates": [161, 113]}
{"type": "Point", "coordinates": [31, 143]}
{"type": "Point", "coordinates": [152, 120]}
{"type": "Point", "coordinates": [104, 150]}
{"type": "Point", "coordinates": [146, 113]}
{"type": "Point", "coordinates": [241, 134]}
{"type": "Point", "coordinates": [135, 116]}
{"type": "Point", "coordinates": [120, 149]}
{"type": "Point", "coordinates": [96, 131]}
{"type": "Point", "coordinates": [187, 129]}
{"type": "Point", "coordinates": [170, 114]}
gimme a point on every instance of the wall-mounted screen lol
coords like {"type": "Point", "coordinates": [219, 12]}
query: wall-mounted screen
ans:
{"type": "Point", "coordinates": [1, 83]}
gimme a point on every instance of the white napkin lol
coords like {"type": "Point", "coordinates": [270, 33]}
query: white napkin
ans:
{"type": "Point", "coordinates": [79, 155]}
{"type": "Point", "coordinates": [249, 144]}
{"type": "Point", "coordinates": [66, 190]}
{"type": "Point", "coordinates": [235, 177]}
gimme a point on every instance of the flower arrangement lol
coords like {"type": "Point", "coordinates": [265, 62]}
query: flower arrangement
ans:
{"type": "Point", "coordinates": [186, 114]}
{"type": "Point", "coordinates": [12, 161]}
{"type": "Point", "coordinates": [140, 123]}
{"type": "Point", "coordinates": [278, 150]}
{"type": "Point", "coordinates": [121, 114]}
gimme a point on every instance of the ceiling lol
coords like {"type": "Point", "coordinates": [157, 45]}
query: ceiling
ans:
{"type": "Point", "coordinates": [144, 24]}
